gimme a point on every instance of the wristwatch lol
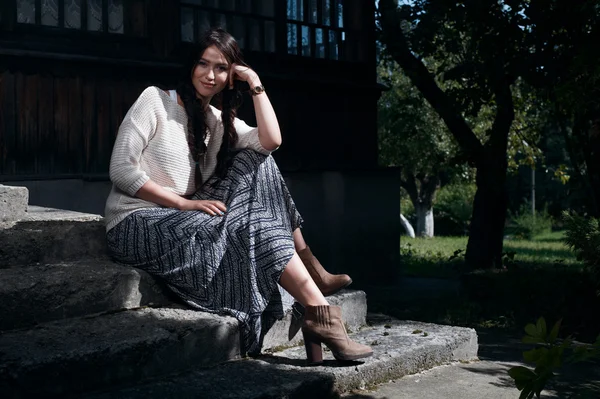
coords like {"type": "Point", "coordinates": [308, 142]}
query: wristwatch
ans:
{"type": "Point", "coordinates": [256, 90]}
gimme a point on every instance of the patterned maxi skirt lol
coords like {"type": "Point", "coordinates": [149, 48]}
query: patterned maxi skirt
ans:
{"type": "Point", "coordinates": [227, 264]}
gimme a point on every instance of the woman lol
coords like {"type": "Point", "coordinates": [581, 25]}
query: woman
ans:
{"type": "Point", "coordinates": [219, 228]}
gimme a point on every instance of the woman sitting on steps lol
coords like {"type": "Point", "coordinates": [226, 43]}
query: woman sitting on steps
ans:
{"type": "Point", "coordinates": [198, 202]}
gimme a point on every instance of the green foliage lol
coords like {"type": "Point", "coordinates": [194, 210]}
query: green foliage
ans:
{"type": "Point", "coordinates": [431, 262]}
{"type": "Point", "coordinates": [527, 225]}
{"type": "Point", "coordinates": [550, 355]}
{"type": "Point", "coordinates": [411, 134]}
{"type": "Point", "coordinates": [453, 209]}
{"type": "Point", "coordinates": [429, 254]}
{"type": "Point", "coordinates": [583, 236]}
{"type": "Point", "coordinates": [406, 206]}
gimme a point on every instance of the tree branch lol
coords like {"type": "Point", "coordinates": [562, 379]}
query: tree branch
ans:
{"type": "Point", "coordinates": [397, 45]}
{"type": "Point", "coordinates": [505, 113]}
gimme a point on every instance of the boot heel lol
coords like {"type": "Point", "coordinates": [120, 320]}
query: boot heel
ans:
{"type": "Point", "coordinates": [314, 353]}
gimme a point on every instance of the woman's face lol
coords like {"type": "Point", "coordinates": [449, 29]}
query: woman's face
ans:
{"type": "Point", "coordinates": [211, 74]}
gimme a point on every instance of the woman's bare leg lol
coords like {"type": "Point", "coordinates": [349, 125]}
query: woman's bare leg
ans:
{"type": "Point", "coordinates": [296, 280]}
{"type": "Point", "coordinates": [299, 242]}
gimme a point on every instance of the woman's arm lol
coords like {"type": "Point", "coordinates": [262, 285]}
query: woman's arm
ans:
{"type": "Point", "coordinates": [269, 134]}
{"type": "Point", "coordinates": [126, 173]}
{"type": "Point", "coordinates": [153, 192]}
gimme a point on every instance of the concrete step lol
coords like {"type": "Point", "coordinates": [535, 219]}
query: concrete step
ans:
{"type": "Point", "coordinates": [76, 355]}
{"type": "Point", "coordinates": [46, 235]}
{"type": "Point", "coordinates": [13, 203]}
{"type": "Point", "coordinates": [37, 294]}
{"type": "Point", "coordinates": [398, 351]}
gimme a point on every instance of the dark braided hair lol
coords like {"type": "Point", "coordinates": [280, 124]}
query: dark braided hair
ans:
{"type": "Point", "coordinates": [228, 100]}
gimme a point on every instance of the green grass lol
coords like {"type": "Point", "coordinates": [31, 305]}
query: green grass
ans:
{"type": "Point", "coordinates": [432, 257]}
{"type": "Point", "coordinates": [544, 279]}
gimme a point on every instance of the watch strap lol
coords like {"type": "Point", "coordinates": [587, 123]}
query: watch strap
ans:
{"type": "Point", "coordinates": [257, 90]}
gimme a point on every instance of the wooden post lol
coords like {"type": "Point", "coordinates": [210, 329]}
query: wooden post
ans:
{"type": "Point", "coordinates": [165, 22]}
{"type": "Point", "coordinates": [8, 15]}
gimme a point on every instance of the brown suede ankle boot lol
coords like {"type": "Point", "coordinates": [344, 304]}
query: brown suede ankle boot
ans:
{"type": "Point", "coordinates": [323, 324]}
{"type": "Point", "coordinates": [328, 283]}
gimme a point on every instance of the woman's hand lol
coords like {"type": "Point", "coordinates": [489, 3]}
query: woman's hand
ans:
{"type": "Point", "coordinates": [209, 206]}
{"type": "Point", "coordinates": [245, 74]}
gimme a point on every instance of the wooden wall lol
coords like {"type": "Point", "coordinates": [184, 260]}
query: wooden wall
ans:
{"type": "Point", "coordinates": [60, 109]}
{"type": "Point", "coordinates": [54, 125]}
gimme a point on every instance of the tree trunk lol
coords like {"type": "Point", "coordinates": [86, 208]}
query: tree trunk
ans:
{"type": "Point", "coordinates": [486, 236]}
{"type": "Point", "coordinates": [424, 220]}
{"type": "Point", "coordinates": [422, 196]}
{"type": "Point", "coordinates": [407, 226]}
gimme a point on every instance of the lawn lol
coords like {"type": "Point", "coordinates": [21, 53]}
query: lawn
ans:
{"type": "Point", "coordinates": [443, 256]}
{"type": "Point", "coordinates": [543, 279]}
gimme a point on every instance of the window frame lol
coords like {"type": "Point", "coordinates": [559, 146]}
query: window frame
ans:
{"type": "Point", "coordinates": [333, 27]}
{"type": "Point", "coordinates": [280, 22]}
{"type": "Point", "coordinates": [62, 30]}
{"type": "Point", "coordinates": [252, 15]}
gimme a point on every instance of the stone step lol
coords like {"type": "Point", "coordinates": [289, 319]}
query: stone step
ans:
{"type": "Point", "coordinates": [47, 235]}
{"type": "Point", "coordinates": [37, 294]}
{"type": "Point", "coordinates": [13, 203]}
{"type": "Point", "coordinates": [400, 348]}
{"type": "Point", "coordinates": [76, 355]}
{"type": "Point", "coordinates": [80, 354]}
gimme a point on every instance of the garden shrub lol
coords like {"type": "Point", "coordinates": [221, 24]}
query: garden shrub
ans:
{"type": "Point", "coordinates": [548, 357]}
{"type": "Point", "coordinates": [453, 209]}
{"type": "Point", "coordinates": [406, 206]}
{"type": "Point", "coordinates": [525, 225]}
{"type": "Point", "coordinates": [583, 236]}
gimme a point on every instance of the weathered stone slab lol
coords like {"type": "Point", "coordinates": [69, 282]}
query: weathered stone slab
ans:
{"type": "Point", "coordinates": [399, 351]}
{"type": "Point", "coordinates": [286, 332]}
{"type": "Point", "coordinates": [49, 235]}
{"type": "Point", "coordinates": [37, 294]}
{"type": "Point", "coordinates": [91, 353]}
{"type": "Point", "coordinates": [13, 203]}
{"type": "Point", "coordinates": [51, 355]}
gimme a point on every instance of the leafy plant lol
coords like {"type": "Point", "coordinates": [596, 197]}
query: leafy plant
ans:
{"type": "Point", "coordinates": [583, 236]}
{"type": "Point", "coordinates": [527, 225]}
{"type": "Point", "coordinates": [550, 354]}
{"type": "Point", "coordinates": [406, 206]}
{"type": "Point", "coordinates": [454, 207]}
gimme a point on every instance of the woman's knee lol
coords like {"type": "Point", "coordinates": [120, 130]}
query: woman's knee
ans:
{"type": "Point", "coordinates": [250, 155]}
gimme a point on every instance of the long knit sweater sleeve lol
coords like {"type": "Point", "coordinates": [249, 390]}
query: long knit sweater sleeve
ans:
{"type": "Point", "coordinates": [248, 137]}
{"type": "Point", "coordinates": [136, 130]}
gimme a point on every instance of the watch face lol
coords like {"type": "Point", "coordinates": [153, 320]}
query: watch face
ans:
{"type": "Point", "coordinates": [259, 89]}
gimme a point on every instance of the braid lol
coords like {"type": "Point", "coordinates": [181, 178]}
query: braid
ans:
{"type": "Point", "coordinates": [196, 127]}
{"type": "Point", "coordinates": [229, 102]}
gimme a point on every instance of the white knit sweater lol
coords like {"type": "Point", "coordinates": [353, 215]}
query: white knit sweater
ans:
{"type": "Point", "coordinates": [152, 144]}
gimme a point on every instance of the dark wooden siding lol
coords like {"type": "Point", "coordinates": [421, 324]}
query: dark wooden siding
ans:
{"type": "Point", "coordinates": [60, 109]}
{"type": "Point", "coordinates": [60, 125]}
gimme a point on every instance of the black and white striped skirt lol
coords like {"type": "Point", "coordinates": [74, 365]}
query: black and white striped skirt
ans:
{"type": "Point", "coordinates": [227, 264]}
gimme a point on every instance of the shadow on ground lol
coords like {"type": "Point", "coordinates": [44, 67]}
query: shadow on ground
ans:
{"type": "Point", "coordinates": [440, 301]}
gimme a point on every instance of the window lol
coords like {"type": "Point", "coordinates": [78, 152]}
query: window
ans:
{"type": "Point", "coordinates": [315, 28]}
{"type": "Point", "coordinates": [251, 22]}
{"type": "Point", "coordinates": [309, 28]}
{"type": "Point", "coordinates": [91, 15]}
